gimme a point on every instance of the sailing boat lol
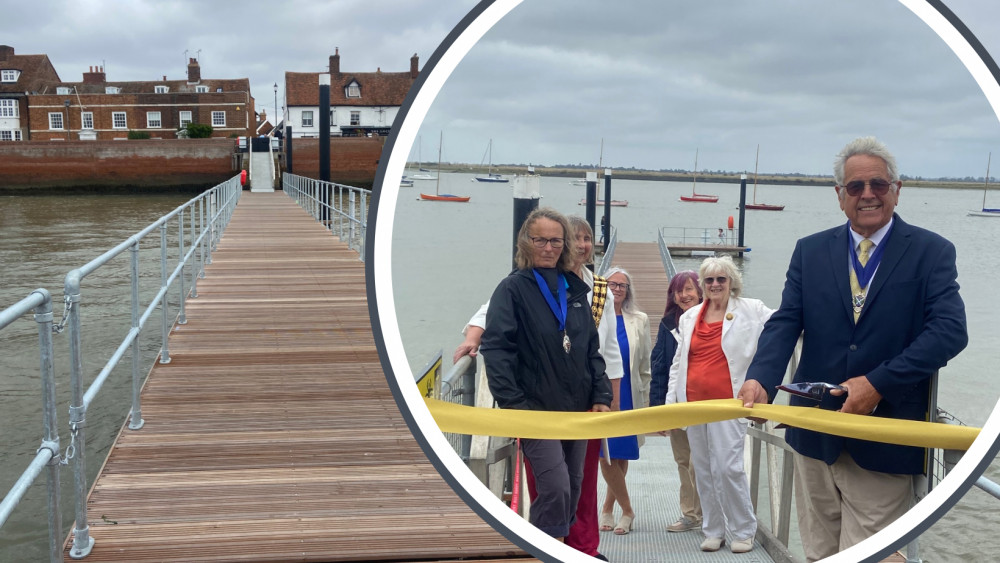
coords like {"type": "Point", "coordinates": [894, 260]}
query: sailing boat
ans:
{"type": "Point", "coordinates": [755, 205]}
{"type": "Point", "coordinates": [420, 160]}
{"type": "Point", "coordinates": [986, 211]}
{"type": "Point", "coordinates": [438, 196]}
{"type": "Point", "coordinates": [695, 196]}
{"type": "Point", "coordinates": [490, 175]}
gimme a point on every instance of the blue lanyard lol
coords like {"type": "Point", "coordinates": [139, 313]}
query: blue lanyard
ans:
{"type": "Point", "coordinates": [559, 310]}
{"type": "Point", "coordinates": [865, 273]}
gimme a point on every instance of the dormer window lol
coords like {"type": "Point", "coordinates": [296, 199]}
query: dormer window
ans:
{"type": "Point", "coordinates": [8, 75]}
{"type": "Point", "coordinates": [112, 90]}
{"type": "Point", "coordinates": [353, 90]}
{"type": "Point", "coordinates": [161, 89]}
{"type": "Point", "coordinates": [62, 90]}
{"type": "Point", "coordinates": [201, 89]}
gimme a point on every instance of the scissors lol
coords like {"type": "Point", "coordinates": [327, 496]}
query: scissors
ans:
{"type": "Point", "coordinates": [814, 391]}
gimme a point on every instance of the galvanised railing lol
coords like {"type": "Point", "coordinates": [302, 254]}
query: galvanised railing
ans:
{"type": "Point", "coordinates": [47, 456]}
{"type": "Point", "coordinates": [195, 229]}
{"type": "Point", "coordinates": [341, 209]}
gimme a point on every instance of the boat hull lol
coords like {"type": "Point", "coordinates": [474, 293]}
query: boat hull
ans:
{"type": "Point", "coordinates": [492, 179]}
{"type": "Point", "coordinates": [445, 197]}
{"type": "Point", "coordinates": [764, 206]}
{"type": "Point", "coordinates": [985, 213]}
{"type": "Point", "coordinates": [702, 198]}
{"type": "Point", "coordinates": [614, 202]}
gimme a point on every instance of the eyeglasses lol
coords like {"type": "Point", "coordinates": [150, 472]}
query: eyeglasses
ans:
{"type": "Point", "coordinates": [613, 286]}
{"type": "Point", "coordinates": [721, 279]}
{"type": "Point", "coordinates": [879, 187]}
{"type": "Point", "coordinates": [540, 242]}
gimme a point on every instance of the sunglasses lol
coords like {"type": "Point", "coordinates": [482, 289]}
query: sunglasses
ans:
{"type": "Point", "coordinates": [720, 279]}
{"type": "Point", "coordinates": [879, 187]}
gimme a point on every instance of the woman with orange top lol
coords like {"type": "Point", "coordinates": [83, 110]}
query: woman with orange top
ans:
{"type": "Point", "coordinates": [718, 340]}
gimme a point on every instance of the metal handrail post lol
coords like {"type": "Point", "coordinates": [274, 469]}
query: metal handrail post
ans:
{"type": "Point", "coordinates": [206, 254]}
{"type": "Point", "coordinates": [82, 542]}
{"type": "Point", "coordinates": [135, 416]}
{"type": "Point", "coordinates": [164, 305]}
{"type": "Point", "coordinates": [352, 216]}
{"type": "Point", "coordinates": [194, 241]}
{"type": "Point", "coordinates": [50, 421]}
{"type": "Point", "coordinates": [181, 315]}
{"type": "Point", "coordinates": [364, 225]}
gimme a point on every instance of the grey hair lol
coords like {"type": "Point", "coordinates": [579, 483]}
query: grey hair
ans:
{"type": "Point", "coordinates": [715, 265]}
{"type": "Point", "coordinates": [578, 224]}
{"type": "Point", "coordinates": [628, 305]}
{"type": "Point", "coordinates": [869, 146]}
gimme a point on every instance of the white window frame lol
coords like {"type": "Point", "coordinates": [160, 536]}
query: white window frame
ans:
{"type": "Point", "coordinates": [333, 117]}
{"type": "Point", "coordinates": [184, 119]}
{"type": "Point", "coordinates": [353, 90]}
{"type": "Point", "coordinates": [10, 135]}
{"type": "Point", "coordinates": [87, 120]}
{"type": "Point", "coordinates": [201, 89]}
{"type": "Point", "coordinates": [114, 120]}
{"type": "Point", "coordinates": [154, 120]}
{"type": "Point", "coordinates": [160, 89]}
{"type": "Point", "coordinates": [307, 118]}
{"type": "Point", "coordinates": [56, 121]}
{"type": "Point", "coordinates": [355, 118]}
{"type": "Point", "coordinates": [9, 75]}
{"type": "Point", "coordinates": [218, 119]}
{"type": "Point", "coordinates": [63, 90]}
{"type": "Point", "coordinates": [9, 108]}
{"type": "Point", "coordinates": [112, 90]}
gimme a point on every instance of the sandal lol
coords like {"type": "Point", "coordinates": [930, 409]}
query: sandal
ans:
{"type": "Point", "coordinates": [606, 523]}
{"type": "Point", "coordinates": [624, 525]}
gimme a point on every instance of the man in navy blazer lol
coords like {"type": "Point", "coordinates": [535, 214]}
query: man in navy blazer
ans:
{"type": "Point", "coordinates": [879, 321]}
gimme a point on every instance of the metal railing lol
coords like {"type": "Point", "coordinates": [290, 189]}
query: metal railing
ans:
{"type": "Point", "coordinates": [47, 456]}
{"type": "Point", "coordinates": [341, 209]}
{"type": "Point", "coordinates": [194, 230]}
{"type": "Point", "coordinates": [668, 261]}
{"type": "Point", "coordinates": [699, 236]}
{"type": "Point", "coordinates": [609, 252]}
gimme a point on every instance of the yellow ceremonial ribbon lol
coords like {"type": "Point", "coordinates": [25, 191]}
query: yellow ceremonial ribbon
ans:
{"type": "Point", "coordinates": [460, 419]}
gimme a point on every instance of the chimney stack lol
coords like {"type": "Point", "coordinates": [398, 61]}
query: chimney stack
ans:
{"type": "Point", "coordinates": [194, 71]}
{"type": "Point", "coordinates": [414, 64]}
{"type": "Point", "coordinates": [335, 62]}
{"type": "Point", "coordinates": [95, 76]}
{"type": "Point", "coordinates": [6, 52]}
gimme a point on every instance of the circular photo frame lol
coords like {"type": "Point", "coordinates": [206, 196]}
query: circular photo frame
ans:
{"type": "Point", "coordinates": [382, 307]}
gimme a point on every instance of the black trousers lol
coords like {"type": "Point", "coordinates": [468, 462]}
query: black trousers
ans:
{"type": "Point", "coordinates": [557, 466]}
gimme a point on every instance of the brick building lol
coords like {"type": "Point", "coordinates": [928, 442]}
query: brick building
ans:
{"type": "Point", "coordinates": [20, 75]}
{"type": "Point", "coordinates": [98, 109]}
{"type": "Point", "coordinates": [361, 103]}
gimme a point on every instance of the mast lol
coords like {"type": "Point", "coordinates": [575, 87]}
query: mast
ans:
{"type": "Point", "coordinates": [694, 179]}
{"type": "Point", "coordinates": [437, 184]}
{"type": "Point", "coordinates": [489, 172]}
{"type": "Point", "coordinates": [755, 174]}
{"type": "Point", "coordinates": [987, 183]}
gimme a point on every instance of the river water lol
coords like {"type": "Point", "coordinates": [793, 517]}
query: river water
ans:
{"type": "Point", "coordinates": [448, 257]}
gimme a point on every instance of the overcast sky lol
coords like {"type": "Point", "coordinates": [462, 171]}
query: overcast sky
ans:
{"type": "Point", "coordinates": [654, 79]}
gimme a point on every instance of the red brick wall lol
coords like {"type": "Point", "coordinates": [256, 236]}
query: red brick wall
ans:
{"type": "Point", "coordinates": [145, 163]}
{"type": "Point", "coordinates": [353, 160]}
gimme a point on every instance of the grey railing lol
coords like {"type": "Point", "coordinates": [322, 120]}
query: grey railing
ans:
{"type": "Point", "coordinates": [698, 236]}
{"type": "Point", "coordinates": [341, 209]}
{"type": "Point", "coordinates": [192, 231]}
{"type": "Point", "coordinates": [47, 458]}
{"type": "Point", "coordinates": [668, 261]}
{"type": "Point", "coordinates": [609, 252]}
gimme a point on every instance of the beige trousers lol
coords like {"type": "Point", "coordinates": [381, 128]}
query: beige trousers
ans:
{"type": "Point", "coordinates": [842, 504]}
{"type": "Point", "coordinates": [690, 503]}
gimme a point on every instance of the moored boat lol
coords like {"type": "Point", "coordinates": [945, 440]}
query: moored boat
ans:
{"type": "Point", "coordinates": [614, 202]}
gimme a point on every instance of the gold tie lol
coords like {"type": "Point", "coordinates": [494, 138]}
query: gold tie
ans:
{"type": "Point", "coordinates": [857, 293]}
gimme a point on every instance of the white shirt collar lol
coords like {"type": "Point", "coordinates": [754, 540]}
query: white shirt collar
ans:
{"type": "Point", "coordinates": [876, 238]}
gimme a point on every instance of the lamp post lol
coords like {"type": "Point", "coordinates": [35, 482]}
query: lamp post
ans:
{"type": "Point", "coordinates": [275, 105]}
{"type": "Point", "coordinates": [66, 103]}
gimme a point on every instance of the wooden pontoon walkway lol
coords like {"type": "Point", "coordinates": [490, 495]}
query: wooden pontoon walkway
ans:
{"type": "Point", "coordinates": [272, 434]}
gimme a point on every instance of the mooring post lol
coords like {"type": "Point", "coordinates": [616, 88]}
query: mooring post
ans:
{"type": "Point", "coordinates": [606, 223]}
{"type": "Point", "coordinates": [324, 145]}
{"type": "Point", "coordinates": [288, 149]}
{"type": "Point", "coordinates": [526, 196]}
{"type": "Point", "coordinates": [743, 210]}
{"type": "Point", "coordinates": [591, 214]}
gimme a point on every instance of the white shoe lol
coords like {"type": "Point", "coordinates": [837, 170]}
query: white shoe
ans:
{"type": "Point", "coordinates": [683, 524]}
{"type": "Point", "coordinates": [712, 544]}
{"type": "Point", "coordinates": [742, 546]}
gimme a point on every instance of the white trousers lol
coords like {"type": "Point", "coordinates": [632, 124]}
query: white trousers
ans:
{"type": "Point", "coordinates": [717, 457]}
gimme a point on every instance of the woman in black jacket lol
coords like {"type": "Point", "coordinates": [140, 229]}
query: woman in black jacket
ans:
{"type": "Point", "coordinates": [683, 293]}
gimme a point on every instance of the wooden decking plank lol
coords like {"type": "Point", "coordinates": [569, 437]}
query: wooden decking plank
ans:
{"type": "Point", "coordinates": [272, 434]}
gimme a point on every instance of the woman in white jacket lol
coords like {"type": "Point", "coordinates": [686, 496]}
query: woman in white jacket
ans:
{"type": "Point", "coordinates": [718, 340]}
{"type": "Point", "coordinates": [632, 392]}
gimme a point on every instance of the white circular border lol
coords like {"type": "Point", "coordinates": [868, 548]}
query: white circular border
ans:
{"type": "Point", "coordinates": [400, 377]}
